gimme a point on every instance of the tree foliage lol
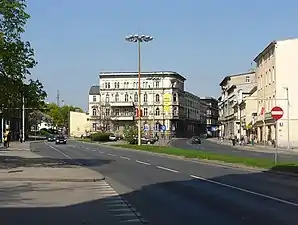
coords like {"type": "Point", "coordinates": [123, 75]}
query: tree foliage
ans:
{"type": "Point", "coordinates": [60, 115]}
{"type": "Point", "coordinates": [16, 60]}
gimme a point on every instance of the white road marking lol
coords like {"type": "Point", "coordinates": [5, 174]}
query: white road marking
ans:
{"type": "Point", "coordinates": [101, 152]}
{"type": "Point", "coordinates": [94, 150]}
{"type": "Point", "coordinates": [130, 221]}
{"type": "Point", "coordinates": [111, 154]}
{"type": "Point", "coordinates": [246, 191]}
{"type": "Point", "coordinates": [120, 210]}
{"type": "Point", "coordinates": [167, 169]}
{"type": "Point", "coordinates": [141, 162]}
{"type": "Point", "coordinates": [62, 153]}
{"type": "Point", "coordinates": [126, 214]}
{"type": "Point", "coordinates": [123, 157]}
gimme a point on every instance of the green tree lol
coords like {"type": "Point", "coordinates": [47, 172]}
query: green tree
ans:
{"type": "Point", "coordinates": [16, 60]}
{"type": "Point", "coordinates": [60, 115]}
{"type": "Point", "coordinates": [130, 133]}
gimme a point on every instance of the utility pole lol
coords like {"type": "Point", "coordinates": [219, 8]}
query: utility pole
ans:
{"type": "Point", "coordinates": [58, 98]}
{"type": "Point", "coordinates": [23, 117]}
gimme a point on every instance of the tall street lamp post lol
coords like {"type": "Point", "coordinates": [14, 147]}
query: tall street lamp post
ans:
{"type": "Point", "coordinates": [139, 39]}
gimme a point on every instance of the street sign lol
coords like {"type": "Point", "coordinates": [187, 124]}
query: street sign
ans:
{"type": "Point", "coordinates": [277, 112]}
{"type": "Point", "coordinates": [163, 128]}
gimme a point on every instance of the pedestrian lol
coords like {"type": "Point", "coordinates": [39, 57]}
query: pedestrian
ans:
{"type": "Point", "coordinates": [233, 140]}
{"type": "Point", "coordinates": [8, 139]}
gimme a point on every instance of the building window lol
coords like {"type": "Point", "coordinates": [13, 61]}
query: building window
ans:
{"type": "Point", "coordinates": [106, 85]}
{"type": "Point", "coordinates": [135, 97]}
{"type": "Point", "coordinates": [145, 112]}
{"type": "Point", "coordinates": [117, 97]}
{"type": "Point", "coordinates": [94, 98]}
{"type": "Point", "coordinates": [247, 79]}
{"type": "Point", "coordinates": [94, 126]}
{"type": "Point", "coordinates": [157, 84]}
{"type": "Point", "coordinates": [175, 111]}
{"type": "Point", "coordinates": [126, 112]}
{"type": "Point", "coordinates": [93, 112]}
{"type": "Point", "coordinates": [109, 85]}
{"type": "Point", "coordinates": [126, 97]}
{"type": "Point", "coordinates": [117, 112]}
{"type": "Point", "coordinates": [107, 98]}
{"type": "Point", "coordinates": [175, 97]}
{"type": "Point", "coordinates": [157, 112]}
{"type": "Point", "coordinates": [107, 112]}
{"type": "Point", "coordinates": [157, 98]}
{"type": "Point", "coordinates": [134, 85]}
{"type": "Point", "coordinates": [145, 97]}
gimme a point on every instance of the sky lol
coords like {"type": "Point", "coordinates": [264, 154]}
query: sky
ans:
{"type": "Point", "coordinates": [203, 40]}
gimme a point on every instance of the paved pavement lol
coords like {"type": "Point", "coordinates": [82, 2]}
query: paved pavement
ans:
{"type": "Point", "coordinates": [166, 190]}
{"type": "Point", "coordinates": [215, 147]}
{"type": "Point", "coordinates": [56, 191]}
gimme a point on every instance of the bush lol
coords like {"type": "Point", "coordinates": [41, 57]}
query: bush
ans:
{"type": "Point", "coordinates": [44, 132]}
{"type": "Point", "coordinates": [100, 137]}
{"type": "Point", "coordinates": [130, 133]}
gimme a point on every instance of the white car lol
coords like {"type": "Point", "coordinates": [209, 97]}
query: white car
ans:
{"type": "Point", "coordinates": [113, 138]}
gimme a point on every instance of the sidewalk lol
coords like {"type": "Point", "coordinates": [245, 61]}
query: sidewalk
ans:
{"type": "Point", "coordinates": [36, 190]}
{"type": "Point", "coordinates": [255, 148]}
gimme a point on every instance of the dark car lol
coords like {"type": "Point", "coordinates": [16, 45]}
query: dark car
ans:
{"type": "Point", "coordinates": [196, 140]}
{"type": "Point", "coordinates": [61, 140]}
{"type": "Point", "coordinates": [51, 138]}
{"type": "Point", "coordinates": [144, 140]}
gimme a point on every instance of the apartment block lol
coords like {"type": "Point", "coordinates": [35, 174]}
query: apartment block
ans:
{"type": "Point", "coordinates": [276, 69]}
{"type": "Point", "coordinates": [233, 88]}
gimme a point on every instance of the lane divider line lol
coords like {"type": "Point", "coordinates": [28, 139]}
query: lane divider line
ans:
{"type": "Point", "coordinates": [62, 153]}
{"type": "Point", "coordinates": [123, 157]}
{"type": "Point", "coordinates": [111, 154]}
{"type": "Point", "coordinates": [144, 163]}
{"type": "Point", "coordinates": [245, 190]}
{"type": "Point", "coordinates": [167, 169]}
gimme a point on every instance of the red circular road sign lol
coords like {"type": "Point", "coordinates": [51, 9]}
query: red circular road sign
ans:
{"type": "Point", "coordinates": [277, 112]}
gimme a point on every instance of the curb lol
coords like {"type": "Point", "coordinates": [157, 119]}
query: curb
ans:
{"type": "Point", "coordinates": [83, 180]}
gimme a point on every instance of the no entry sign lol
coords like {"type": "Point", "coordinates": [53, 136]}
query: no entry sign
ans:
{"type": "Point", "coordinates": [277, 112]}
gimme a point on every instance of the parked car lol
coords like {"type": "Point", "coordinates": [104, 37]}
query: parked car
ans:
{"type": "Point", "coordinates": [113, 137]}
{"type": "Point", "coordinates": [144, 140]}
{"type": "Point", "coordinates": [61, 140]}
{"type": "Point", "coordinates": [196, 140]}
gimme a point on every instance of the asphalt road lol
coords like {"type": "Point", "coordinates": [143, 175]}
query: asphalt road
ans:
{"type": "Point", "coordinates": [229, 150]}
{"type": "Point", "coordinates": [165, 190]}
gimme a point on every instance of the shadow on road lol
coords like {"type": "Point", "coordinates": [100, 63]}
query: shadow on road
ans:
{"type": "Point", "coordinates": [11, 162]}
{"type": "Point", "coordinates": [179, 202]}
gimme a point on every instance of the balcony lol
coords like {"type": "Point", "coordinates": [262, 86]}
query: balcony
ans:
{"type": "Point", "coordinates": [129, 116]}
{"type": "Point", "coordinates": [122, 104]}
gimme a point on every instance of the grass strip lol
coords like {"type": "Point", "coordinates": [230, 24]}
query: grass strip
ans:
{"type": "Point", "coordinates": [252, 162]}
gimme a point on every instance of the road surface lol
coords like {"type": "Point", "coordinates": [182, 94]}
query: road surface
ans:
{"type": "Point", "coordinates": [164, 190]}
{"type": "Point", "coordinates": [229, 150]}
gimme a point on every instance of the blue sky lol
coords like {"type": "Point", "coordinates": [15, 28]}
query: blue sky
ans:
{"type": "Point", "coordinates": [204, 40]}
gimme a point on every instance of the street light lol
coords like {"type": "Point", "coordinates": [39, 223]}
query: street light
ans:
{"type": "Point", "coordinates": [139, 39]}
{"type": "Point", "coordinates": [288, 114]}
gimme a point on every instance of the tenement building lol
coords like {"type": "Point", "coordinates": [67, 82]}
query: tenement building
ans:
{"type": "Point", "coordinates": [118, 100]}
{"type": "Point", "coordinates": [276, 70]}
{"type": "Point", "coordinates": [114, 103]}
{"type": "Point", "coordinates": [232, 88]}
{"type": "Point", "coordinates": [211, 116]}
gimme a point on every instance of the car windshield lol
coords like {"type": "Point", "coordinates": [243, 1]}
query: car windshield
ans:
{"type": "Point", "coordinates": [195, 137]}
{"type": "Point", "coordinates": [60, 137]}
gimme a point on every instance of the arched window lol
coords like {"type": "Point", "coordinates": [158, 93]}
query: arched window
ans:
{"type": "Point", "coordinates": [126, 97]}
{"type": "Point", "coordinates": [135, 97]}
{"type": "Point", "coordinates": [116, 97]}
{"type": "Point", "coordinates": [145, 97]}
{"type": "Point", "coordinates": [175, 97]}
{"type": "Point", "coordinates": [93, 112]}
{"type": "Point", "coordinates": [157, 98]}
{"type": "Point", "coordinates": [157, 112]}
{"type": "Point", "coordinates": [107, 97]}
{"type": "Point", "coordinates": [175, 111]}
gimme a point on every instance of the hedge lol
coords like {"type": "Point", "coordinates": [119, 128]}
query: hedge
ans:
{"type": "Point", "coordinates": [100, 137]}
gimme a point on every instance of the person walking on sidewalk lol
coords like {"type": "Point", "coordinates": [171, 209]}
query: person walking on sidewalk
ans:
{"type": "Point", "coordinates": [233, 138]}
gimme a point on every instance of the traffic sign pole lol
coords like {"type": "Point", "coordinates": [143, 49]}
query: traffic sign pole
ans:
{"type": "Point", "coordinates": [276, 113]}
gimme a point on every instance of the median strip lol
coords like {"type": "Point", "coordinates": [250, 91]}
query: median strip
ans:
{"type": "Point", "coordinates": [196, 154]}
